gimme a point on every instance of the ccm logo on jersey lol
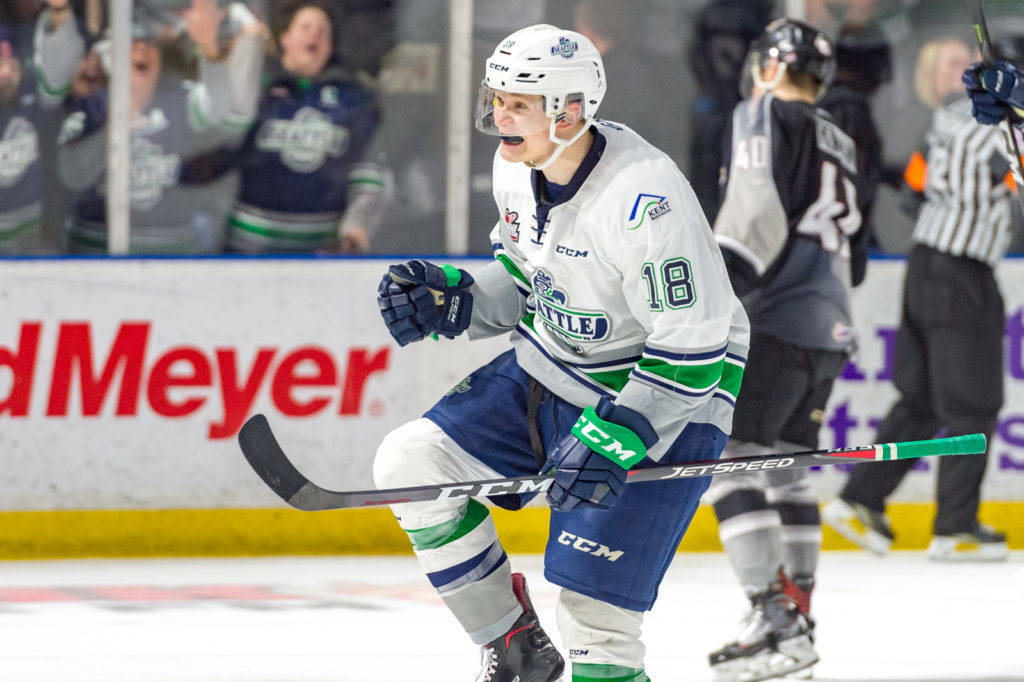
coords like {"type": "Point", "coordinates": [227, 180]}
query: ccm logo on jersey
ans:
{"type": "Point", "coordinates": [589, 546]}
{"type": "Point", "coordinates": [571, 252]}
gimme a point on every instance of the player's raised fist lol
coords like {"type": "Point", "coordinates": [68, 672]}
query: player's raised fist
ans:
{"type": "Point", "coordinates": [418, 298]}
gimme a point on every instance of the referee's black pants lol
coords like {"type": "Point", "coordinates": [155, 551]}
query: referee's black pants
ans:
{"type": "Point", "coordinates": [948, 368]}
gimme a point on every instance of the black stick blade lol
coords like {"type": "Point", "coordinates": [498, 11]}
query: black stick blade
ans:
{"type": "Point", "coordinates": [267, 458]}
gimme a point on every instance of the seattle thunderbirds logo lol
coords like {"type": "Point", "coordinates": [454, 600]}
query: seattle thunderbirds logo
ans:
{"type": "Point", "coordinates": [572, 324]}
{"type": "Point", "coordinates": [565, 48]}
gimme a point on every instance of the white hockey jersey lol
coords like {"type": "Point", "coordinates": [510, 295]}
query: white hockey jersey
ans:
{"type": "Point", "coordinates": [616, 289]}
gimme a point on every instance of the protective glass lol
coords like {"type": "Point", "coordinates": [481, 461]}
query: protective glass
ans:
{"type": "Point", "coordinates": [509, 115]}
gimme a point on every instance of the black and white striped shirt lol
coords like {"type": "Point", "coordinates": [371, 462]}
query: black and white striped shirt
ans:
{"type": "Point", "coordinates": [967, 203]}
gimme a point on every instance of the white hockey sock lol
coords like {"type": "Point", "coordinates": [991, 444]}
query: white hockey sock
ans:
{"type": "Point", "coordinates": [455, 540]}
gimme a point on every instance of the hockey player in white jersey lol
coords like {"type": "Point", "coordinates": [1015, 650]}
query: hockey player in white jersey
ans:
{"type": "Point", "coordinates": [628, 347]}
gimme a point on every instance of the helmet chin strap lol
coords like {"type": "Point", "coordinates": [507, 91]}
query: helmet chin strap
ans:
{"type": "Point", "coordinates": [561, 145]}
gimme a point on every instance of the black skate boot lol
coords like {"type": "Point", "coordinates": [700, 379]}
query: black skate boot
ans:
{"type": "Point", "coordinates": [524, 653]}
{"type": "Point", "coordinates": [775, 640]}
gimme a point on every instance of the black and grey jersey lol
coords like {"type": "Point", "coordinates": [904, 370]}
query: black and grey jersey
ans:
{"type": "Point", "coordinates": [789, 215]}
{"type": "Point", "coordinates": [967, 203]}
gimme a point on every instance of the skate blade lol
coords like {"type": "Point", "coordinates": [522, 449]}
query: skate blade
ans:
{"type": "Point", "coordinates": [793, 655]}
{"type": "Point", "coordinates": [805, 674]}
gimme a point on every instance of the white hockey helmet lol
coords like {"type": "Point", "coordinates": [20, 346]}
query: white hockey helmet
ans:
{"type": "Point", "coordinates": [563, 67]}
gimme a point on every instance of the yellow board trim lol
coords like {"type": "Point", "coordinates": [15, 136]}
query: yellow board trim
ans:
{"type": "Point", "coordinates": [255, 532]}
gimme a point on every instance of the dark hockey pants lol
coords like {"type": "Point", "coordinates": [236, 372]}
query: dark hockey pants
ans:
{"type": "Point", "coordinates": [948, 368]}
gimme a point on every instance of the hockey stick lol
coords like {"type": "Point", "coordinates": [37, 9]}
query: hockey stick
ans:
{"type": "Point", "coordinates": [989, 56]}
{"type": "Point", "coordinates": [269, 461]}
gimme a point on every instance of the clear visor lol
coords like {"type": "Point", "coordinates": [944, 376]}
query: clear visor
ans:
{"type": "Point", "coordinates": [510, 115]}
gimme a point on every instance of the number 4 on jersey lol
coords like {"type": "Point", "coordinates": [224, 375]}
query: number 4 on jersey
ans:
{"type": "Point", "coordinates": [825, 218]}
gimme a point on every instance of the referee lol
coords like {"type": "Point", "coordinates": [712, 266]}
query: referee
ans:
{"type": "Point", "coordinates": [948, 366]}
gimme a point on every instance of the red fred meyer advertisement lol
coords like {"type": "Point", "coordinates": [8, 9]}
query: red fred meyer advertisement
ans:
{"type": "Point", "coordinates": [85, 373]}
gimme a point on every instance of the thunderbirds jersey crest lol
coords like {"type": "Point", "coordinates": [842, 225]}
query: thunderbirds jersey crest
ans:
{"type": "Point", "coordinates": [615, 288]}
{"type": "Point", "coordinates": [301, 163]}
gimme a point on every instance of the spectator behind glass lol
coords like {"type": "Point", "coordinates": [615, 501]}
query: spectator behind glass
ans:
{"type": "Point", "coordinates": [24, 113]}
{"type": "Point", "coordinates": [311, 181]}
{"type": "Point", "coordinates": [722, 34]}
{"type": "Point", "coordinates": [172, 120]}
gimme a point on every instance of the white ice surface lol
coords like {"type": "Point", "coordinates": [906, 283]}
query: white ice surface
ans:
{"type": "Point", "coordinates": [367, 619]}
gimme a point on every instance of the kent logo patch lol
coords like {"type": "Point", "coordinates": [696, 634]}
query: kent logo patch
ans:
{"type": "Point", "coordinates": [646, 206]}
{"type": "Point", "coordinates": [565, 48]}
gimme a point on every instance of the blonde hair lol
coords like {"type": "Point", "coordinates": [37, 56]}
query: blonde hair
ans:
{"type": "Point", "coordinates": [928, 58]}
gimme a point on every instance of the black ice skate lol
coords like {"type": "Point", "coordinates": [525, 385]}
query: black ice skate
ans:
{"type": "Point", "coordinates": [524, 653]}
{"type": "Point", "coordinates": [775, 640]}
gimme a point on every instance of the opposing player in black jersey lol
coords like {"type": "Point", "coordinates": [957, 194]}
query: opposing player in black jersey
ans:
{"type": "Point", "coordinates": [785, 227]}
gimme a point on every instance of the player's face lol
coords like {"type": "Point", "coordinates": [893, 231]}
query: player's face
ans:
{"type": "Point", "coordinates": [307, 45]}
{"type": "Point", "coordinates": [10, 78]}
{"type": "Point", "coordinates": [524, 127]}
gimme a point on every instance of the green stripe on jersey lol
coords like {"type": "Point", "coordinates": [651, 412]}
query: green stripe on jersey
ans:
{"type": "Point", "coordinates": [512, 269]}
{"type": "Point", "coordinates": [433, 537]}
{"type": "Point", "coordinates": [290, 235]}
{"type": "Point", "coordinates": [614, 380]}
{"type": "Point", "coordinates": [732, 378]}
{"type": "Point", "coordinates": [17, 230]}
{"type": "Point", "coordinates": [691, 376]}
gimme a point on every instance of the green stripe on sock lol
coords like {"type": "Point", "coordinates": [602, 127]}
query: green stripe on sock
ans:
{"type": "Point", "coordinates": [593, 672]}
{"type": "Point", "coordinates": [433, 537]}
{"type": "Point", "coordinates": [691, 376]}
